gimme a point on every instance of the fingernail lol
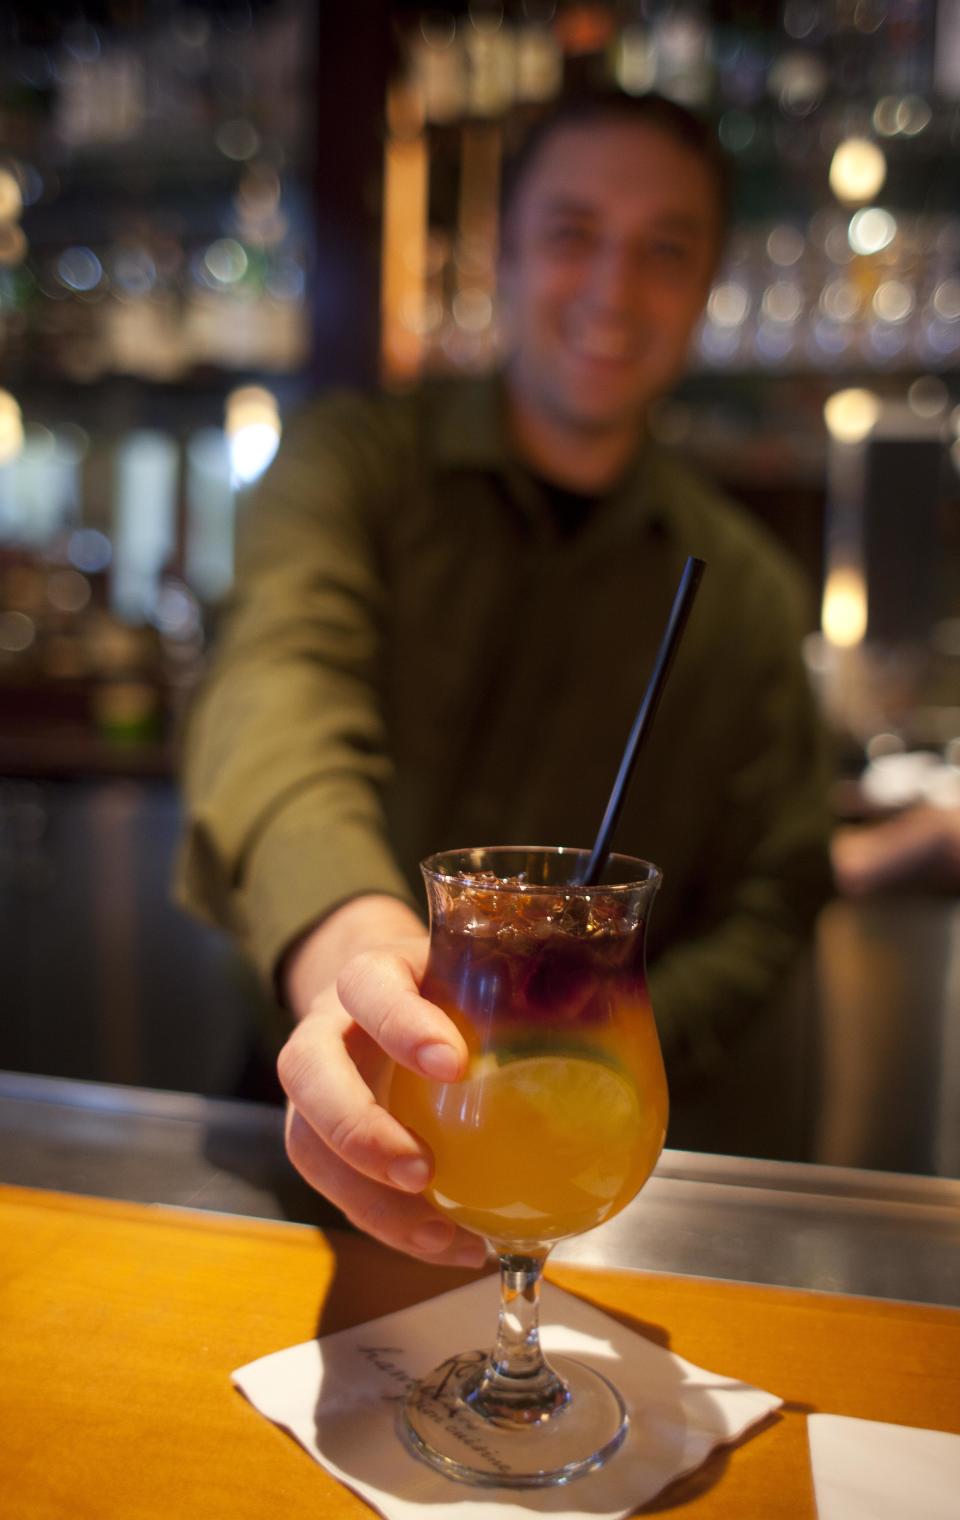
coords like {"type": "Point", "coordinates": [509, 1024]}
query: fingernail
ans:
{"type": "Point", "coordinates": [432, 1235]}
{"type": "Point", "coordinates": [409, 1172]}
{"type": "Point", "coordinates": [440, 1061]}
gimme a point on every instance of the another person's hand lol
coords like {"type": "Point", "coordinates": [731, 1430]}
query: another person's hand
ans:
{"type": "Point", "coordinates": [917, 850]}
{"type": "Point", "coordinates": [359, 1010]}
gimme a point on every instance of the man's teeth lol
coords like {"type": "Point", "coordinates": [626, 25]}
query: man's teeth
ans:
{"type": "Point", "coordinates": [602, 345]}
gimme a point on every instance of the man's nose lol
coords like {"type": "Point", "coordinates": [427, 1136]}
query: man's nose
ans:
{"type": "Point", "coordinates": [617, 279]}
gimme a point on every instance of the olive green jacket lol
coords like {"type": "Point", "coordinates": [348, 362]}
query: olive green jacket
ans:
{"type": "Point", "coordinates": [415, 659]}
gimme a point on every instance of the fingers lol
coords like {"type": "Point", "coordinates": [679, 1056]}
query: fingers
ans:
{"type": "Point", "coordinates": [401, 1220]}
{"type": "Point", "coordinates": [379, 990]}
{"type": "Point", "coordinates": [339, 1138]}
{"type": "Point", "coordinates": [326, 1089]}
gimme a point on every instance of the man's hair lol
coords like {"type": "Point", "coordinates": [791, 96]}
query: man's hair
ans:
{"type": "Point", "coordinates": [613, 106]}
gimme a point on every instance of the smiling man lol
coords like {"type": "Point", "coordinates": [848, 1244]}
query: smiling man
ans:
{"type": "Point", "coordinates": [612, 230]}
{"type": "Point", "coordinates": [446, 611]}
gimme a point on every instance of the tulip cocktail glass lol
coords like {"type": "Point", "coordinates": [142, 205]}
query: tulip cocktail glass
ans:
{"type": "Point", "coordinates": [557, 1124]}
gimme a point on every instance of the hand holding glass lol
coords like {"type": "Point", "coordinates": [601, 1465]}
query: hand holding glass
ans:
{"type": "Point", "coordinates": [557, 1125]}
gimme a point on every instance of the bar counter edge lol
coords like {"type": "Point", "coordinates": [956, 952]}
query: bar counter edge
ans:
{"type": "Point", "coordinates": [782, 1224]}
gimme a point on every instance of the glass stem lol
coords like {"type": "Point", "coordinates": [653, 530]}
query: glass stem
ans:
{"type": "Point", "coordinates": [518, 1386]}
{"type": "Point", "coordinates": [517, 1353]}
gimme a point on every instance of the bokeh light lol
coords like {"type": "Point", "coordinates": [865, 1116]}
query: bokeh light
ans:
{"type": "Point", "coordinates": [79, 269]}
{"type": "Point", "coordinates": [857, 170]}
{"type": "Point", "coordinates": [913, 115]}
{"type": "Point", "coordinates": [871, 230]}
{"type": "Point", "coordinates": [286, 280]}
{"type": "Point", "coordinates": [226, 261]}
{"type": "Point", "coordinates": [850, 415]}
{"type": "Point", "coordinates": [11, 198]}
{"type": "Point", "coordinates": [133, 271]}
{"type": "Point", "coordinates": [885, 116]}
{"type": "Point", "coordinates": [31, 182]}
{"type": "Point", "coordinates": [89, 550]}
{"type": "Point", "coordinates": [844, 614]}
{"type": "Point", "coordinates": [928, 397]}
{"type": "Point", "coordinates": [17, 632]}
{"type": "Point", "coordinates": [11, 428]}
{"type": "Point", "coordinates": [782, 302]}
{"type": "Point", "coordinates": [728, 305]}
{"type": "Point", "coordinates": [946, 300]}
{"type": "Point", "coordinates": [237, 139]}
{"type": "Point", "coordinates": [785, 246]}
{"type": "Point", "coordinates": [253, 431]}
{"type": "Point", "coordinates": [840, 300]}
{"type": "Point", "coordinates": [893, 301]}
{"type": "Point", "coordinates": [472, 310]}
{"type": "Point", "coordinates": [13, 245]}
{"type": "Point", "coordinates": [68, 591]}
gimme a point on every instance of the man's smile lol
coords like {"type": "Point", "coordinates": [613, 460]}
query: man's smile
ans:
{"type": "Point", "coordinates": [604, 344]}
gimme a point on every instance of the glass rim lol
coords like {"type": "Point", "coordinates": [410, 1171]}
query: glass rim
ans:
{"type": "Point", "coordinates": [652, 873]}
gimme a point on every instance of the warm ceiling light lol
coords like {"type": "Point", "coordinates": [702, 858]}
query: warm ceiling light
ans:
{"type": "Point", "coordinates": [857, 171]}
{"type": "Point", "coordinates": [11, 197]}
{"type": "Point", "coordinates": [844, 614]}
{"type": "Point", "coordinates": [850, 415]}
{"type": "Point", "coordinates": [11, 428]}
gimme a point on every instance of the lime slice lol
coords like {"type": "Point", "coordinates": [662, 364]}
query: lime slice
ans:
{"type": "Point", "coordinates": [544, 1146]}
{"type": "Point", "coordinates": [572, 1099]}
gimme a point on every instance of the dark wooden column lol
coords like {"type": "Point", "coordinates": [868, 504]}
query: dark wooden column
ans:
{"type": "Point", "coordinates": [354, 55]}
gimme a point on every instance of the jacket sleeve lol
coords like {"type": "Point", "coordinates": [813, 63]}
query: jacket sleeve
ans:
{"type": "Point", "coordinates": [285, 757]}
{"type": "Point", "coordinates": [766, 867]}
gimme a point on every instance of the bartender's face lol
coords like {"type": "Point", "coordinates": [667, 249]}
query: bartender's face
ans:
{"type": "Point", "coordinates": [608, 252]}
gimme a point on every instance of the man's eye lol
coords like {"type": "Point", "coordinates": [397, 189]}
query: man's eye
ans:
{"type": "Point", "coordinates": [568, 237]}
{"type": "Point", "coordinates": [668, 252]}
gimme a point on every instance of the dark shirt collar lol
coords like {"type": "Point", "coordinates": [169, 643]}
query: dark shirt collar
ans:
{"type": "Point", "coordinates": [468, 432]}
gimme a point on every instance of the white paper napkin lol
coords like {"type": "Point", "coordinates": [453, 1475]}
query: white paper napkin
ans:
{"type": "Point", "coordinates": [866, 1470]}
{"type": "Point", "coordinates": [339, 1397]}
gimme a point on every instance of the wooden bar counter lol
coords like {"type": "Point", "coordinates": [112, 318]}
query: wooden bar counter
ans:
{"type": "Point", "coordinates": [122, 1321]}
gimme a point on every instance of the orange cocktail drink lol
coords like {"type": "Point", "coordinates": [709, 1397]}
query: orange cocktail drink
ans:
{"type": "Point", "coordinates": [563, 1110]}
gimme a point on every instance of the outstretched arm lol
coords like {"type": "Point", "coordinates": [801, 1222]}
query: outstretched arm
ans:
{"type": "Point", "coordinates": [287, 845]}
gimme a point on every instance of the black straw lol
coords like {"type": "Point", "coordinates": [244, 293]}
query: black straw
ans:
{"type": "Point", "coordinates": [679, 612]}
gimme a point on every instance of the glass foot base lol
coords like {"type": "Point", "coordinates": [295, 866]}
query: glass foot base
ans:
{"type": "Point", "coordinates": [492, 1431]}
